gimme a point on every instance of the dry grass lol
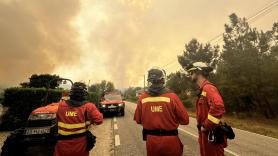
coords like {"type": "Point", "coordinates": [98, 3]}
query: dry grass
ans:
{"type": "Point", "coordinates": [253, 124]}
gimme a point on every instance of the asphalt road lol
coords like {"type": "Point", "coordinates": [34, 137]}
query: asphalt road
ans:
{"type": "Point", "coordinates": [121, 136]}
{"type": "Point", "coordinates": [128, 139]}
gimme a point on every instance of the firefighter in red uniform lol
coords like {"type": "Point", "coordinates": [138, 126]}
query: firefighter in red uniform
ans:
{"type": "Point", "coordinates": [74, 116]}
{"type": "Point", "coordinates": [209, 110]}
{"type": "Point", "coordinates": [160, 112]}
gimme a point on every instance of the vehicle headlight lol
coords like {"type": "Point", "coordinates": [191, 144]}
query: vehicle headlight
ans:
{"type": "Point", "coordinates": [103, 106]}
{"type": "Point", "coordinates": [121, 104]}
{"type": "Point", "coordinates": [43, 116]}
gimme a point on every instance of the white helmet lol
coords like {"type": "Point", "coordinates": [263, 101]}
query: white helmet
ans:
{"type": "Point", "coordinates": [200, 67]}
{"type": "Point", "coordinates": [197, 66]}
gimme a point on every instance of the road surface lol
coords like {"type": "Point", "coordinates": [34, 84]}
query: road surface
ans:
{"type": "Point", "coordinates": [121, 136]}
{"type": "Point", "coordinates": [128, 139]}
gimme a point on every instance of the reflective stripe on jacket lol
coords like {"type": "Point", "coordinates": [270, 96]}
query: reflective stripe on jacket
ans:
{"type": "Point", "coordinates": [75, 120]}
{"type": "Point", "coordinates": [209, 106]}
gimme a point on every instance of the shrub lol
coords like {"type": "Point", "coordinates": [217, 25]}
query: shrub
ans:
{"type": "Point", "coordinates": [21, 102]}
{"type": "Point", "coordinates": [94, 98]}
{"type": "Point", "coordinates": [187, 101]}
{"type": "Point", "coordinates": [132, 99]}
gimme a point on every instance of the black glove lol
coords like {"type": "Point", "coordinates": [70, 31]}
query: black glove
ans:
{"type": "Point", "coordinates": [228, 131]}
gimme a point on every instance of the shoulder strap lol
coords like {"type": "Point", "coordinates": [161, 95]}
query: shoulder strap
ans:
{"type": "Point", "coordinates": [85, 114]}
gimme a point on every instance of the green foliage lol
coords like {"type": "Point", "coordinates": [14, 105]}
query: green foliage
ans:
{"type": "Point", "coordinates": [187, 101]}
{"type": "Point", "coordinates": [102, 88]}
{"type": "Point", "coordinates": [195, 51]}
{"type": "Point", "coordinates": [1, 97]}
{"type": "Point", "coordinates": [94, 98]}
{"type": "Point", "coordinates": [21, 102]}
{"type": "Point", "coordinates": [131, 93]}
{"type": "Point", "coordinates": [247, 72]}
{"type": "Point", "coordinates": [246, 68]}
{"type": "Point", "coordinates": [40, 81]}
{"type": "Point", "coordinates": [179, 83]}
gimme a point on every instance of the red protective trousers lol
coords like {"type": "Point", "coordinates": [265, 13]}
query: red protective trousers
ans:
{"type": "Point", "coordinates": [209, 110]}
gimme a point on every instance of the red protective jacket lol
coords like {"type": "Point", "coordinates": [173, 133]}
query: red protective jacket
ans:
{"type": "Point", "coordinates": [72, 121]}
{"type": "Point", "coordinates": [209, 110]}
{"type": "Point", "coordinates": [164, 112]}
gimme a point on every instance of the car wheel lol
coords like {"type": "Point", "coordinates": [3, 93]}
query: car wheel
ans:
{"type": "Point", "coordinates": [12, 145]}
{"type": "Point", "coordinates": [123, 113]}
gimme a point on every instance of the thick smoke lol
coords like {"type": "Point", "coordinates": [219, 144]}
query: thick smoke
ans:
{"type": "Point", "coordinates": [35, 37]}
{"type": "Point", "coordinates": [116, 40]}
{"type": "Point", "coordinates": [134, 35]}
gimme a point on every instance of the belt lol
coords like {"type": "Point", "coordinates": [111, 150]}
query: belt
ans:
{"type": "Point", "coordinates": [199, 127]}
{"type": "Point", "coordinates": [73, 136]}
{"type": "Point", "coordinates": [161, 132]}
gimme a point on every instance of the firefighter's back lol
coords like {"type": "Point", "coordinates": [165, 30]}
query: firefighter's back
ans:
{"type": "Point", "coordinates": [71, 129]}
{"type": "Point", "coordinates": [162, 114]}
{"type": "Point", "coordinates": [74, 116]}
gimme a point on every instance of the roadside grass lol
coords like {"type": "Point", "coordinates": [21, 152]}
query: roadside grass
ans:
{"type": "Point", "coordinates": [132, 100]}
{"type": "Point", "coordinates": [254, 124]}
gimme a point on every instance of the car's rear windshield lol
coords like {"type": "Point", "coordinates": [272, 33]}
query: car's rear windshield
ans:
{"type": "Point", "coordinates": [113, 97]}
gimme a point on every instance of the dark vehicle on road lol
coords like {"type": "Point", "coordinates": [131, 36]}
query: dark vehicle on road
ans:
{"type": "Point", "coordinates": [112, 103]}
{"type": "Point", "coordinates": [39, 135]}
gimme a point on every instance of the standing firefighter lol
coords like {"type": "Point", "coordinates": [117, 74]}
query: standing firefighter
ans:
{"type": "Point", "coordinates": [74, 116]}
{"type": "Point", "coordinates": [160, 112]}
{"type": "Point", "coordinates": [209, 110]}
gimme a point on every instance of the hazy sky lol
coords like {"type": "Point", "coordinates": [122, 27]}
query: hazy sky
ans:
{"type": "Point", "coordinates": [117, 40]}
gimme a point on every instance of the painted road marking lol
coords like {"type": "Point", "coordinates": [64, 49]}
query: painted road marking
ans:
{"type": "Point", "coordinates": [229, 151]}
{"type": "Point", "coordinates": [117, 137]}
{"type": "Point", "coordinates": [115, 126]}
{"type": "Point", "coordinates": [117, 140]}
{"type": "Point", "coordinates": [188, 133]}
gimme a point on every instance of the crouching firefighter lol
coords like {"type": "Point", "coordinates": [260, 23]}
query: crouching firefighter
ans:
{"type": "Point", "coordinates": [160, 112]}
{"type": "Point", "coordinates": [74, 116]}
{"type": "Point", "coordinates": [209, 110]}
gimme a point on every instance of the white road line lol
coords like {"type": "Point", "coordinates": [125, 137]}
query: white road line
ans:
{"type": "Point", "coordinates": [237, 129]}
{"type": "Point", "coordinates": [115, 126]}
{"type": "Point", "coordinates": [188, 133]}
{"type": "Point", "coordinates": [117, 140]}
{"type": "Point", "coordinates": [229, 151]}
{"type": "Point", "coordinates": [115, 119]}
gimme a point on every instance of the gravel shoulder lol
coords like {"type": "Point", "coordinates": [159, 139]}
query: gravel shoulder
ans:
{"type": "Point", "coordinates": [105, 143]}
{"type": "Point", "coordinates": [104, 133]}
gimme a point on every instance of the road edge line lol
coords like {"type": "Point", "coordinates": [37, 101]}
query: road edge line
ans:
{"type": "Point", "coordinates": [227, 150]}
